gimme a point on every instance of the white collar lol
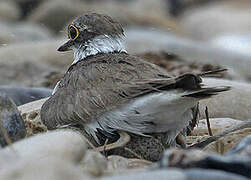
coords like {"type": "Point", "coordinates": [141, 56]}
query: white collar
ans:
{"type": "Point", "coordinates": [100, 44]}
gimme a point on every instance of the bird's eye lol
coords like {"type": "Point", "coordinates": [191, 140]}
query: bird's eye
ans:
{"type": "Point", "coordinates": [73, 32]}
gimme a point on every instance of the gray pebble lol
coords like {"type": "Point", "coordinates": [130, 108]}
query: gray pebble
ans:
{"type": "Point", "coordinates": [21, 95]}
{"type": "Point", "coordinates": [11, 120]}
{"type": "Point", "coordinates": [198, 174]}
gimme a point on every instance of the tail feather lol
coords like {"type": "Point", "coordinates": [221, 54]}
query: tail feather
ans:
{"type": "Point", "coordinates": [207, 92]}
{"type": "Point", "coordinates": [212, 73]}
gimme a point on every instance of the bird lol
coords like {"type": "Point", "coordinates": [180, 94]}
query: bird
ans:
{"type": "Point", "coordinates": [106, 90]}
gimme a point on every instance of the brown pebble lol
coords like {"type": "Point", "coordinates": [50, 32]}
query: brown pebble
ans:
{"type": "Point", "coordinates": [33, 115]}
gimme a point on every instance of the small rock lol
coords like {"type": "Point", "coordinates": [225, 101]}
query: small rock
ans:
{"type": "Point", "coordinates": [231, 104]}
{"type": "Point", "coordinates": [94, 163]}
{"type": "Point", "coordinates": [216, 124]}
{"type": "Point", "coordinates": [142, 40]}
{"type": "Point", "coordinates": [196, 174]}
{"type": "Point", "coordinates": [146, 148]}
{"type": "Point", "coordinates": [227, 142]}
{"type": "Point", "coordinates": [44, 52]}
{"type": "Point", "coordinates": [173, 174]}
{"type": "Point", "coordinates": [27, 6]}
{"type": "Point", "coordinates": [12, 123]}
{"type": "Point", "coordinates": [243, 148]}
{"type": "Point", "coordinates": [56, 14]}
{"type": "Point", "coordinates": [194, 158]}
{"type": "Point", "coordinates": [238, 43]}
{"type": "Point", "coordinates": [64, 144]}
{"type": "Point", "coordinates": [30, 63]}
{"type": "Point", "coordinates": [52, 168]}
{"type": "Point", "coordinates": [21, 95]}
{"type": "Point", "coordinates": [9, 11]}
{"type": "Point", "coordinates": [225, 17]}
{"type": "Point", "coordinates": [118, 165]}
{"type": "Point", "coordinates": [119, 162]}
{"type": "Point", "coordinates": [22, 32]}
{"type": "Point", "coordinates": [22, 73]}
{"type": "Point", "coordinates": [32, 106]}
{"type": "Point", "coordinates": [33, 123]}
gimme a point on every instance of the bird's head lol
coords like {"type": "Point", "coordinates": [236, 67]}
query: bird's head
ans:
{"type": "Point", "coordinates": [94, 33]}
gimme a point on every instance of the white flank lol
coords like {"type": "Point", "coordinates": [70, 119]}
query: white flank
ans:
{"type": "Point", "coordinates": [100, 44]}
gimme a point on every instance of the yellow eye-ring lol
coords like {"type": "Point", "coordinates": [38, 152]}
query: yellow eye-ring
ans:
{"type": "Point", "coordinates": [73, 32]}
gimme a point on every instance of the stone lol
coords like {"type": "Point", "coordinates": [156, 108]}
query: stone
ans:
{"type": "Point", "coordinates": [216, 124]}
{"type": "Point", "coordinates": [9, 11]}
{"type": "Point", "coordinates": [63, 144]}
{"type": "Point", "coordinates": [194, 158]}
{"type": "Point", "coordinates": [142, 40]}
{"type": "Point", "coordinates": [146, 148]}
{"type": "Point", "coordinates": [27, 6]}
{"type": "Point", "coordinates": [120, 163]}
{"type": "Point", "coordinates": [53, 168]}
{"type": "Point", "coordinates": [52, 156]}
{"type": "Point", "coordinates": [22, 32]}
{"type": "Point", "coordinates": [238, 43]}
{"type": "Point", "coordinates": [243, 148]}
{"type": "Point", "coordinates": [216, 19]}
{"type": "Point", "coordinates": [172, 173]}
{"type": "Point", "coordinates": [32, 106]}
{"type": "Point", "coordinates": [22, 95]}
{"type": "Point", "coordinates": [197, 173]}
{"type": "Point", "coordinates": [44, 52]}
{"type": "Point", "coordinates": [94, 163]}
{"type": "Point", "coordinates": [227, 142]}
{"type": "Point", "coordinates": [231, 104]}
{"type": "Point", "coordinates": [176, 66]}
{"type": "Point", "coordinates": [31, 115]}
{"type": "Point", "coordinates": [57, 13]}
{"type": "Point", "coordinates": [27, 74]}
{"type": "Point", "coordinates": [12, 127]}
{"type": "Point", "coordinates": [37, 59]}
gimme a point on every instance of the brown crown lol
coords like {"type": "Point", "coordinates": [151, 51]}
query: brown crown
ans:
{"type": "Point", "coordinates": [93, 24]}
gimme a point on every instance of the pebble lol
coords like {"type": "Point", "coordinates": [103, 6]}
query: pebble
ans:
{"type": "Point", "coordinates": [94, 163]}
{"type": "Point", "coordinates": [42, 169]}
{"type": "Point", "coordinates": [22, 32]}
{"type": "Point", "coordinates": [216, 19]}
{"type": "Point", "coordinates": [231, 104]}
{"type": "Point", "coordinates": [173, 174]}
{"type": "Point", "coordinates": [141, 40]}
{"type": "Point", "coordinates": [21, 95]}
{"type": "Point", "coordinates": [116, 163]}
{"type": "Point", "coordinates": [64, 144]}
{"type": "Point", "coordinates": [9, 11]}
{"type": "Point", "coordinates": [42, 52]}
{"type": "Point", "coordinates": [243, 148]}
{"type": "Point", "coordinates": [12, 123]}
{"type": "Point", "coordinates": [216, 125]}
{"type": "Point", "coordinates": [197, 174]}
{"type": "Point", "coordinates": [237, 160]}
{"type": "Point", "coordinates": [57, 14]}
{"type": "Point", "coordinates": [52, 156]}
